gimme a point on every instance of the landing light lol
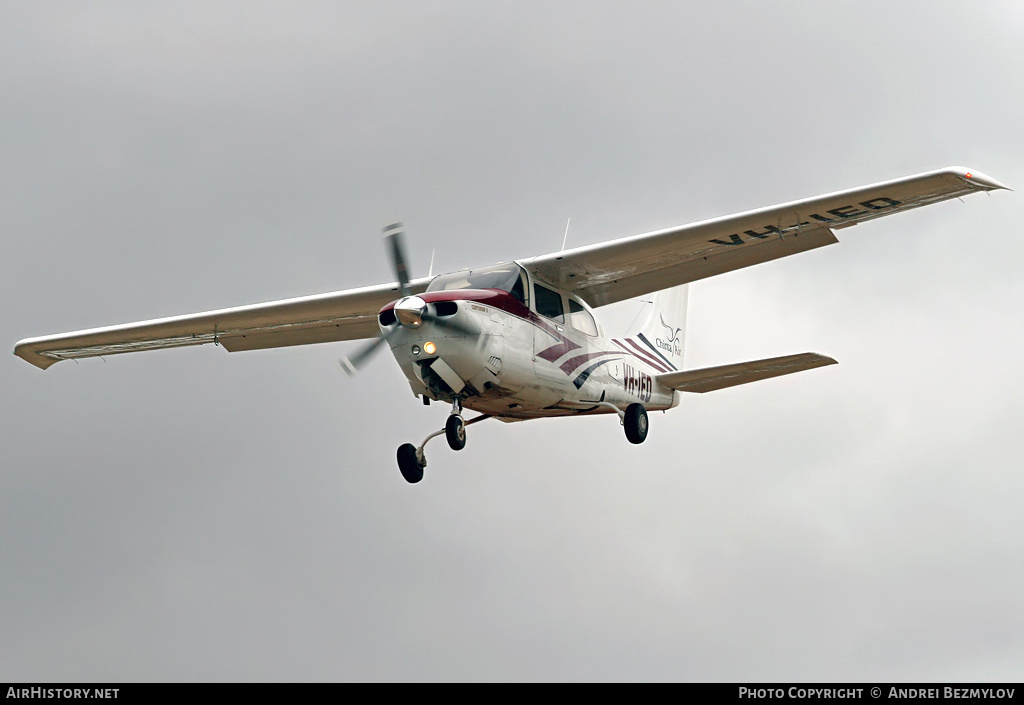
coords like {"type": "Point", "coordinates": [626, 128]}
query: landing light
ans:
{"type": "Point", "coordinates": [415, 350]}
{"type": "Point", "coordinates": [429, 348]}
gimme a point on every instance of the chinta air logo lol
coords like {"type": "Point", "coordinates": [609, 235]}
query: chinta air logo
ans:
{"type": "Point", "coordinates": [671, 343]}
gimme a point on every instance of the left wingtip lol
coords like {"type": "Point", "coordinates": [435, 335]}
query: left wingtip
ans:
{"type": "Point", "coordinates": [976, 177]}
{"type": "Point", "coordinates": [25, 350]}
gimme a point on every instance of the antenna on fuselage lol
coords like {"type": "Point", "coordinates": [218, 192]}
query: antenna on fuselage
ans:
{"type": "Point", "coordinates": [566, 236]}
{"type": "Point", "coordinates": [430, 273]}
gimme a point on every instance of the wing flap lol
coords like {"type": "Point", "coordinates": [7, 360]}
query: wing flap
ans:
{"type": "Point", "coordinates": [341, 315]}
{"type": "Point", "coordinates": [328, 331]}
{"type": "Point", "coordinates": [710, 379]}
{"type": "Point", "coordinates": [632, 266]}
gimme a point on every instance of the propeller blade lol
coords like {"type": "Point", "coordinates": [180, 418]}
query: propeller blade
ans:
{"type": "Point", "coordinates": [395, 237]}
{"type": "Point", "coordinates": [350, 364]}
{"type": "Point", "coordinates": [396, 246]}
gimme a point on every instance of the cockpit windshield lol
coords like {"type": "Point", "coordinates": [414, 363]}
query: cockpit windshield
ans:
{"type": "Point", "coordinates": [507, 277]}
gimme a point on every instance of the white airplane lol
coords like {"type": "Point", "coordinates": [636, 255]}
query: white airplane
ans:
{"type": "Point", "coordinates": [519, 341]}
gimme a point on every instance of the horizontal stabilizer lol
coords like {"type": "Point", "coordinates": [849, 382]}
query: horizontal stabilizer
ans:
{"type": "Point", "coordinates": [711, 378]}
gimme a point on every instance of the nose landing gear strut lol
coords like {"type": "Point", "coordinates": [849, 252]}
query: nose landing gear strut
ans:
{"type": "Point", "coordinates": [455, 426]}
{"type": "Point", "coordinates": [412, 460]}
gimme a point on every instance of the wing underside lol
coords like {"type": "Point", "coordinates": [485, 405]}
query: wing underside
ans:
{"type": "Point", "coordinates": [633, 266]}
{"type": "Point", "coordinates": [710, 379]}
{"type": "Point", "coordinates": [342, 315]}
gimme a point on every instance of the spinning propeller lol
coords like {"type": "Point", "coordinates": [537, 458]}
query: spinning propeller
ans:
{"type": "Point", "coordinates": [411, 311]}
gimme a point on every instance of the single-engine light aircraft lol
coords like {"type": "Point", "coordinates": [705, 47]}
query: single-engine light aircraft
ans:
{"type": "Point", "coordinates": [519, 341]}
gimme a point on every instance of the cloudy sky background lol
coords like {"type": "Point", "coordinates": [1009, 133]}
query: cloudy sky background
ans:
{"type": "Point", "coordinates": [197, 515]}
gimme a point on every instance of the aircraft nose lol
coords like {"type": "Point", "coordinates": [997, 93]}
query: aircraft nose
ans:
{"type": "Point", "coordinates": [409, 311]}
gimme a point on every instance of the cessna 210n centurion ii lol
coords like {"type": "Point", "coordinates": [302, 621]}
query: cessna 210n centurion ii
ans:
{"type": "Point", "coordinates": [519, 341]}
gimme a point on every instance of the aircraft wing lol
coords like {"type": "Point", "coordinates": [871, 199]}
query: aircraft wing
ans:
{"type": "Point", "coordinates": [632, 266]}
{"type": "Point", "coordinates": [710, 379]}
{"type": "Point", "coordinates": [341, 315]}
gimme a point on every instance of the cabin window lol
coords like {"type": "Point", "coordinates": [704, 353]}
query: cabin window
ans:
{"type": "Point", "coordinates": [581, 319]}
{"type": "Point", "coordinates": [549, 303]}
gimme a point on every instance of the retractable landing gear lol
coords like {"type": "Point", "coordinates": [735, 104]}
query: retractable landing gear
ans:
{"type": "Point", "coordinates": [635, 423]}
{"type": "Point", "coordinates": [633, 420]}
{"type": "Point", "coordinates": [455, 432]}
{"type": "Point", "coordinates": [411, 460]}
{"type": "Point", "coordinates": [455, 427]}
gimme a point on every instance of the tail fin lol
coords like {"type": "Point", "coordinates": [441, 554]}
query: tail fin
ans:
{"type": "Point", "coordinates": [664, 329]}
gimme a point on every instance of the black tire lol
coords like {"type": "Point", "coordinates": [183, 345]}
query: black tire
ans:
{"type": "Point", "coordinates": [635, 423]}
{"type": "Point", "coordinates": [455, 432]}
{"type": "Point", "coordinates": [409, 464]}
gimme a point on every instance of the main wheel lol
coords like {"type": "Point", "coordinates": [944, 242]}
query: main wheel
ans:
{"type": "Point", "coordinates": [409, 464]}
{"type": "Point", "coordinates": [455, 432]}
{"type": "Point", "coordinates": [635, 423]}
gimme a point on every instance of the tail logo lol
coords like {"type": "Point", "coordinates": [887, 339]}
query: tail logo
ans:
{"type": "Point", "coordinates": [671, 342]}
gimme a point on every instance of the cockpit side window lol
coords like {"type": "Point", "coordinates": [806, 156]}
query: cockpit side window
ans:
{"type": "Point", "coordinates": [581, 319]}
{"type": "Point", "coordinates": [519, 291]}
{"type": "Point", "coordinates": [549, 303]}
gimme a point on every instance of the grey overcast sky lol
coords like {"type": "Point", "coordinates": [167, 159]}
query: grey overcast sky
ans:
{"type": "Point", "coordinates": [196, 515]}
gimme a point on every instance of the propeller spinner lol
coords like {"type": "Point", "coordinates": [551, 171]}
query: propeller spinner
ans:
{"type": "Point", "coordinates": [410, 310]}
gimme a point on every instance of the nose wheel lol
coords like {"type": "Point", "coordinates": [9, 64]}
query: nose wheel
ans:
{"type": "Point", "coordinates": [455, 432]}
{"type": "Point", "coordinates": [412, 460]}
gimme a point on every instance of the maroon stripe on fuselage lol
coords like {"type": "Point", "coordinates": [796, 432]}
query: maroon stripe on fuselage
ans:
{"type": "Point", "coordinates": [573, 362]}
{"type": "Point", "coordinates": [657, 353]}
{"type": "Point", "coordinates": [638, 356]}
{"type": "Point", "coordinates": [556, 351]}
{"type": "Point", "coordinates": [628, 351]}
{"type": "Point", "coordinates": [651, 359]}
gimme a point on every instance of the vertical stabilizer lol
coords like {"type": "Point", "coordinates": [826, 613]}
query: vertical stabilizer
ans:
{"type": "Point", "coordinates": [663, 331]}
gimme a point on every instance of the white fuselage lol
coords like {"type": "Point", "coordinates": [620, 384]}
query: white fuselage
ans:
{"type": "Point", "coordinates": [504, 359]}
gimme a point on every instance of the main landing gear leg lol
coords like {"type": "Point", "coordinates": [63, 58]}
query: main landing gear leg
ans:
{"type": "Point", "coordinates": [412, 460]}
{"type": "Point", "coordinates": [634, 420]}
